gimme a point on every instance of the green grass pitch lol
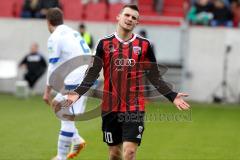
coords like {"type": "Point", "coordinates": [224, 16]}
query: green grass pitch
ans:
{"type": "Point", "coordinates": [29, 131]}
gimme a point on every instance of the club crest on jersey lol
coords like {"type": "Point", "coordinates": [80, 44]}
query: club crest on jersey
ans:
{"type": "Point", "coordinates": [137, 50]}
{"type": "Point", "coordinates": [50, 49]}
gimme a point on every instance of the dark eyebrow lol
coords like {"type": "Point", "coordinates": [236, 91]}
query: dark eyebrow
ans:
{"type": "Point", "coordinates": [126, 14]}
{"type": "Point", "coordinates": [134, 17]}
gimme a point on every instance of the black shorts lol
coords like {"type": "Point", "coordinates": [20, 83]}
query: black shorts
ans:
{"type": "Point", "coordinates": [118, 127]}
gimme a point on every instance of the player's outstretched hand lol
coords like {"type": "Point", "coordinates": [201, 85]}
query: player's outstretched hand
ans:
{"type": "Point", "coordinates": [71, 98]}
{"type": "Point", "coordinates": [66, 101]}
{"type": "Point", "coordinates": [180, 103]}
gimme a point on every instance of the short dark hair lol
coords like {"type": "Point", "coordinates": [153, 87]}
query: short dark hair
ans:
{"type": "Point", "coordinates": [82, 26]}
{"type": "Point", "coordinates": [55, 16]}
{"type": "Point", "coordinates": [132, 6]}
{"type": "Point", "coordinates": [143, 33]}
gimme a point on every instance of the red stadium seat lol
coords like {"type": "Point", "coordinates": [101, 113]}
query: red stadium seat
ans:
{"type": "Point", "coordinates": [173, 11]}
{"type": "Point", "coordinates": [96, 11]}
{"type": "Point", "coordinates": [178, 3]}
{"type": "Point", "coordinates": [145, 2]}
{"type": "Point", "coordinates": [114, 10]}
{"type": "Point", "coordinates": [173, 14]}
{"type": "Point", "coordinates": [6, 8]}
{"type": "Point", "coordinates": [146, 10]}
{"type": "Point", "coordinates": [173, 8]}
{"type": "Point", "coordinates": [17, 8]}
{"type": "Point", "coordinates": [73, 10]}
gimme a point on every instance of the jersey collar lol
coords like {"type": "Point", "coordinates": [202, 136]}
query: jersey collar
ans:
{"type": "Point", "coordinates": [59, 28]}
{"type": "Point", "coordinates": [125, 42]}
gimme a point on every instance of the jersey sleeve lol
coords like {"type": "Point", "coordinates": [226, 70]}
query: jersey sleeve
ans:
{"type": "Point", "coordinates": [155, 78]}
{"type": "Point", "coordinates": [54, 51]}
{"type": "Point", "coordinates": [93, 70]}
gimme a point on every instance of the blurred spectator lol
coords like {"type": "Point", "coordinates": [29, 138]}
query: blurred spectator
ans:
{"type": "Point", "coordinates": [235, 9]}
{"type": "Point", "coordinates": [200, 13]}
{"type": "Point", "coordinates": [37, 8]}
{"type": "Point", "coordinates": [30, 9]}
{"type": "Point", "coordinates": [144, 34]}
{"type": "Point", "coordinates": [221, 14]}
{"type": "Point", "coordinates": [186, 6]}
{"type": "Point", "coordinates": [158, 5]}
{"type": "Point", "coordinates": [233, 4]}
{"type": "Point", "coordinates": [35, 65]}
{"type": "Point", "coordinates": [226, 2]}
{"type": "Point", "coordinates": [44, 5]}
{"type": "Point", "coordinates": [86, 36]}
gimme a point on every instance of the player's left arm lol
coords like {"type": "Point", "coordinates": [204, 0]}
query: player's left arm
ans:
{"type": "Point", "coordinates": [23, 62]}
{"type": "Point", "coordinates": [156, 79]}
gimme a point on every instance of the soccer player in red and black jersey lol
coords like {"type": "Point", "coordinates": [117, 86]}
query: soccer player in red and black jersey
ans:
{"type": "Point", "coordinates": [124, 57]}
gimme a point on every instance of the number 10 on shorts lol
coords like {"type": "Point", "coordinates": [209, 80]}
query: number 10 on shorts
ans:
{"type": "Point", "coordinates": [108, 137]}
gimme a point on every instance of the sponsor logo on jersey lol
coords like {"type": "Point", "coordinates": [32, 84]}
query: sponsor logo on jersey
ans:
{"type": "Point", "coordinates": [124, 62]}
{"type": "Point", "coordinates": [50, 49]}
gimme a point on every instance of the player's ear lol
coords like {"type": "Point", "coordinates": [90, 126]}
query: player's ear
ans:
{"type": "Point", "coordinates": [137, 22]}
{"type": "Point", "coordinates": [48, 23]}
{"type": "Point", "coordinates": [49, 26]}
{"type": "Point", "coordinates": [118, 17]}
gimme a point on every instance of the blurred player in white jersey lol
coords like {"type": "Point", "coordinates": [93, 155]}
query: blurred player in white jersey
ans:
{"type": "Point", "coordinates": [64, 44]}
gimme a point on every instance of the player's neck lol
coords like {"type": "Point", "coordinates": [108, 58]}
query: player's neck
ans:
{"type": "Point", "coordinates": [123, 34]}
{"type": "Point", "coordinates": [52, 29]}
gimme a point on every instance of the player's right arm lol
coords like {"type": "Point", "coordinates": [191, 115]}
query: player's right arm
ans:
{"type": "Point", "coordinates": [47, 94]}
{"type": "Point", "coordinates": [54, 50]}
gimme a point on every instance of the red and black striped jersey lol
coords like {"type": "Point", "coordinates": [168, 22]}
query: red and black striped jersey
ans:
{"type": "Point", "coordinates": [123, 64]}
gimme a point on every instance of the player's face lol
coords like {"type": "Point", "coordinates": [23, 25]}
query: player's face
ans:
{"type": "Point", "coordinates": [128, 19]}
{"type": "Point", "coordinates": [34, 48]}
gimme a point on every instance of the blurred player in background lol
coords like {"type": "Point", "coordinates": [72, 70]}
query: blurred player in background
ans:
{"type": "Point", "coordinates": [87, 36]}
{"type": "Point", "coordinates": [35, 65]}
{"type": "Point", "coordinates": [121, 55]}
{"type": "Point", "coordinates": [64, 44]}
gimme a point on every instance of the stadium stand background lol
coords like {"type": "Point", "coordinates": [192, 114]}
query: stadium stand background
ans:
{"type": "Point", "coordinates": [172, 12]}
{"type": "Point", "coordinates": [194, 54]}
